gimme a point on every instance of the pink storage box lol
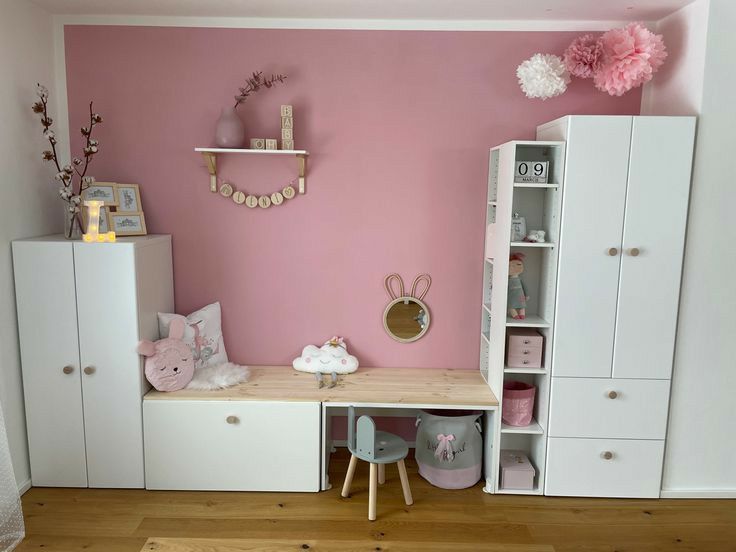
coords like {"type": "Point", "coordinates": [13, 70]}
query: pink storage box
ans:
{"type": "Point", "coordinates": [524, 348]}
{"type": "Point", "coordinates": [518, 403]}
{"type": "Point", "coordinates": [517, 471]}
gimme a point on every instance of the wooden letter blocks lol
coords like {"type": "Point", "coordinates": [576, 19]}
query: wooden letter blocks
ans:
{"type": "Point", "coordinates": [272, 144]}
{"type": "Point", "coordinates": [287, 122]}
{"type": "Point", "coordinates": [287, 144]}
{"type": "Point", "coordinates": [257, 143]}
{"type": "Point", "coordinates": [287, 111]}
{"type": "Point", "coordinates": [287, 134]}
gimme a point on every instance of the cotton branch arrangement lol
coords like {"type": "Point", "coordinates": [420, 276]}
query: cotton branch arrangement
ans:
{"type": "Point", "coordinates": [73, 177]}
{"type": "Point", "coordinates": [254, 83]}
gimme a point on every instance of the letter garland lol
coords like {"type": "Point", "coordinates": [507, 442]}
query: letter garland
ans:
{"type": "Point", "coordinates": [264, 201]}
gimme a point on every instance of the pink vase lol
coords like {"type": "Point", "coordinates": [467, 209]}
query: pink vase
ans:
{"type": "Point", "coordinates": [230, 131]}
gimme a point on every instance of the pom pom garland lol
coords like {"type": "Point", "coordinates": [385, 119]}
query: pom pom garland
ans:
{"type": "Point", "coordinates": [543, 76]}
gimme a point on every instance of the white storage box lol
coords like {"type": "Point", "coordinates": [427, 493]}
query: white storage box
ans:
{"type": "Point", "coordinates": [517, 471]}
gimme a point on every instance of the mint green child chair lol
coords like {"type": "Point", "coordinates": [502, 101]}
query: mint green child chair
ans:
{"type": "Point", "coordinates": [378, 448]}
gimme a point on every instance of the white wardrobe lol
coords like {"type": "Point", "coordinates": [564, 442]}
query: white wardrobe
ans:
{"type": "Point", "coordinates": [624, 214]}
{"type": "Point", "coordinates": [82, 308]}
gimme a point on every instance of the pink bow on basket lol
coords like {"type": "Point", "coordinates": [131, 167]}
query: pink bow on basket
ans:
{"type": "Point", "coordinates": [444, 451]}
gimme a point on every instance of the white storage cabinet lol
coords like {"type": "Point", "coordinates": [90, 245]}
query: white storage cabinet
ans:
{"type": "Point", "coordinates": [232, 445]}
{"type": "Point", "coordinates": [624, 212]}
{"type": "Point", "coordinates": [82, 308]}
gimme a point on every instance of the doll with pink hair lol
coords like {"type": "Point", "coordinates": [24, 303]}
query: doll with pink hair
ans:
{"type": "Point", "coordinates": [517, 297]}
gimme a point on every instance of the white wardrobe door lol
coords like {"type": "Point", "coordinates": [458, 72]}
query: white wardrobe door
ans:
{"type": "Point", "coordinates": [47, 324]}
{"type": "Point", "coordinates": [656, 214]}
{"type": "Point", "coordinates": [108, 335]}
{"type": "Point", "coordinates": [592, 218]}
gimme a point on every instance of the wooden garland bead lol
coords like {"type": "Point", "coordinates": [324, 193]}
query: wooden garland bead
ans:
{"type": "Point", "coordinates": [288, 192]}
{"type": "Point", "coordinates": [226, 190]}
{"type": "Point", "coordinates": [239, 197]}
{"type": "Point", "coordinates": [251, 201]}
{"type": "Point", "coordinates": [277, 198]}
{"type": "Point", "coordinates": [264, 202]}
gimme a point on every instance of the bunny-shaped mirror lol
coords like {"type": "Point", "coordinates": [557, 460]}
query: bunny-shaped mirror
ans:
{"type": "Point", "coordinates": [406, 317]}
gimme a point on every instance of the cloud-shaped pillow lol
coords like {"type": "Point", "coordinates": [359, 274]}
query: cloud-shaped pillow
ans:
{"type": "Point", "coordinates": [331, 357]}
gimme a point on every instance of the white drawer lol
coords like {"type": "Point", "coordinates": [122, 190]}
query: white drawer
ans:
{"type": "Point", "coordinates": [577, 467]}
{"type": "Point", "coordinates": [583, 407]}
{"type": "Point", "coordinates": [270, 446]}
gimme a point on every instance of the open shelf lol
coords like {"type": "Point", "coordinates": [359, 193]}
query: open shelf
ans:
{"type": "Point", "coordinates": [256, 151]}
{"type": "Point", "coordinates": [532, 429]}
{"type": "Point", "coordinates": [530, 185]}
{"type": "Point", "coordinates": [507, 370]}
{"type": "Point", "coordinates": [531, 321]}
{"type": "Point", "coordinates": [531, 244]}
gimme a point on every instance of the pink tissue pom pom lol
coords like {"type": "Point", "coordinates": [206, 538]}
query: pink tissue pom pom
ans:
{"type": "Point", "coordinates": [631, 56]}
{"type": "Point", "coordinates": [583, 56]}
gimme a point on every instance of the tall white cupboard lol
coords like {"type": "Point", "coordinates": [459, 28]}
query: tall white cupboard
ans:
{"type": "Point", "coordinates": [624, 213]}
{"type": "Point", "coordinates": [82, 308]}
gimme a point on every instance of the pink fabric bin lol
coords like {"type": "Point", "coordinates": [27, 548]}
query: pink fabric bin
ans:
{"type": "Point", "coordinates": [517, 471]}
{"type": "Point", "coordinates": [518, 403]}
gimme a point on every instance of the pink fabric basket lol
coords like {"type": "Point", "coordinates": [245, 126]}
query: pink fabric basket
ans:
{"type": "Point", "coordinates": [518, 403]}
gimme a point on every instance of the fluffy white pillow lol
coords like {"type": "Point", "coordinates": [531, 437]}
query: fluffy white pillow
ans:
{"type": "Point", "coordinates": [202, 333]}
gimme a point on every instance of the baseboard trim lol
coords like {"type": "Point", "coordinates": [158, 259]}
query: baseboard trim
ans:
{"type": "Point", "coordinates": [24, 486]}
{"type": "Point", "coordinates": [698, 493]}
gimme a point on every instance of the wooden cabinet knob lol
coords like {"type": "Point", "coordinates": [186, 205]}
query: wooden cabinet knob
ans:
{"type": "Point", "coordinates": [607, 455]}
{"type": "Point", "coordinates": [612, 394]}
{"type": "Point", "coordinates": [634, 251]}
{"type": "Point", "coordinates": [612, 251]}
{"type": "Point", "coordinates": [232, 419]}
{"type": "Point", "coordinates": [89, 370]}
{"type": "Point", "coordinates": [68, 369]}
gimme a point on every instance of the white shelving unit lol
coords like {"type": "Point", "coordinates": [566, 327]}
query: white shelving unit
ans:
{"type": "Point", "coordinates": [540, 204]}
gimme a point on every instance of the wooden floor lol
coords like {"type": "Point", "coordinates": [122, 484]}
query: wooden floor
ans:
{"type": "Point", "coordinates": [469, 520]}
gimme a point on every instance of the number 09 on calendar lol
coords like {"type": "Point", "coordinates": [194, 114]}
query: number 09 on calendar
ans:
{"type": "Point", "coordinates": [531, 172]}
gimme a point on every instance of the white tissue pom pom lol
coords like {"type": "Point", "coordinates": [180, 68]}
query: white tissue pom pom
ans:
{"type": "Point", "coordinates": [543, 76]}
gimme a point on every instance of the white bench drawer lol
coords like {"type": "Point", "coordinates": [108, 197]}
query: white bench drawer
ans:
{"type": "Point", "coordinates": [580, 467]}
{"type": "Point", "coordinates": [232, 445]}
{"type": "Point", "coordinates": [584, 407]}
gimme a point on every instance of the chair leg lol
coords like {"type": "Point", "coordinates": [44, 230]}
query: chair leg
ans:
{"type": "Point", "coordinates": [405, 483]}
{"type": "Point", "coordinates": [349, 476]}
{"type": "Point", "coordinates": [381, 474]}
{"type": "Point", "coordinates": [372, 492]}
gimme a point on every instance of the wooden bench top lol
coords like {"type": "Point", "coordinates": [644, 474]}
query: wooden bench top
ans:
{"type": "Point", "coordinates": [410, 387]}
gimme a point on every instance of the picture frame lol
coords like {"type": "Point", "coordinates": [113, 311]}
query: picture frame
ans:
{"type": "Point", "coordinates": [102, 191]}
{"type": "Point", "coordinates": [128, 198]}
{"type": "Point", "coordinates": [128, 224]}
{"type": "Point", "coordinates": [104, 219]}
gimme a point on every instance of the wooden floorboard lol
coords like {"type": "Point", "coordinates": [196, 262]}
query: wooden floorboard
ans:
{"type": "Point", "coordinates": [103, 520]}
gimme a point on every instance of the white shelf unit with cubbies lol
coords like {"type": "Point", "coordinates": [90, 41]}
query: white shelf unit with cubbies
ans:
{"type": "Point", "coordinates": [540, 205]}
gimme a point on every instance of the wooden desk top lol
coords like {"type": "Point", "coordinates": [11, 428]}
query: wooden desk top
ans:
{"type": "Point", "coordinates": [410, 387]}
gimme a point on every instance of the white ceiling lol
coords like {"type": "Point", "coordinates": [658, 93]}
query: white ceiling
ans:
{"type": "Point", "coordinates": [432, 10]}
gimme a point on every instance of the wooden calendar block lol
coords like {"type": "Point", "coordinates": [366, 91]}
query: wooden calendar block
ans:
{"type": "Point", "coordinates": [287, 144]}
{"type": "Point", "coordinates": [287, 134]}
{"type": "Point", "coordinates": [272, 144]}
{"type": "Point", "coordinates": [257, 143]}
{"type": "Point", "coordinates": [287, 122]}
{"type": "Point", "coordinates": [287, 111]}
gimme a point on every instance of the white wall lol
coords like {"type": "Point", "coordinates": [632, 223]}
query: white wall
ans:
{"type": "Point", "coordinates": [30, 204]}
{"type": "Point", "coordinates": [701, 443]}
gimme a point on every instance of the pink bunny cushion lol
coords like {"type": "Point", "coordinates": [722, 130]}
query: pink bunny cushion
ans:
{"type": "Point", "coordinates": [169, 361]}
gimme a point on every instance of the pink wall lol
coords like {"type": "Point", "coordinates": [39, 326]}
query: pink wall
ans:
{"type": "Point", "coordinates": [398, 125]}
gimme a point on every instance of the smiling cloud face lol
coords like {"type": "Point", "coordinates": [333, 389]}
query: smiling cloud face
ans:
{"type": "Point", "coordinates": [331, 357]}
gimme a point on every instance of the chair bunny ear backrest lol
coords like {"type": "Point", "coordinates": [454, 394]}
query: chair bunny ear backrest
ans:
{"type": "Point", "coordinates": [351, 427]}
{"type": "Point", "coordinates": [421, 279]}
{"type": "Point", "coordinates": [366, 444]}
{"type": "Point", "coordinates": [388, 283]}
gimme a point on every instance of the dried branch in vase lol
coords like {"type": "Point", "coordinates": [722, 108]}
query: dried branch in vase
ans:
{"type": "Point", "coordinates": [254, 83]}
{"type": "Point", "coordinates": [73, 180]}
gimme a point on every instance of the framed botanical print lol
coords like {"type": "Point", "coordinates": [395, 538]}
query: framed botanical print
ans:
{"type": "Point", "coordinates": [127, 224]}
{"type": "Point", "coordinates": [129, 198]}
{"type": "Point", "coordinates": [104, 225]}
{"type": "Point", "coordinates": [102, 191]}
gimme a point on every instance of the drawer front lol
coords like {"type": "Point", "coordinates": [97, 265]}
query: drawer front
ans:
{"type": "Point", "coordinates": [609, 408]}
{"type": "Point", "coordinates": [267, 446]}
{"type": "Point", "coordinates": [525, 359]}
{"type": "Point", "coordinates": [581, 467]}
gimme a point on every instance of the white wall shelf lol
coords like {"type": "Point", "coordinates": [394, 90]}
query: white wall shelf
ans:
{"type": "Point", "coordinates": [541, 205]}
{"type": "Point", "coordinates": [210, 157]}
{"type": "Point", "coordinates": [532, 429]}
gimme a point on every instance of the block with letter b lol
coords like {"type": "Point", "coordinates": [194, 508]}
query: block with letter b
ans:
{"type": "Point", "coordinates": [287, 134]}
{"type": "Point", "coordinates": [287, 111]}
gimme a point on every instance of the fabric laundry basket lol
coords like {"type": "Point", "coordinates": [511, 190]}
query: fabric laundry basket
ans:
{"type": "Point", "coordinates": [449, 448]}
